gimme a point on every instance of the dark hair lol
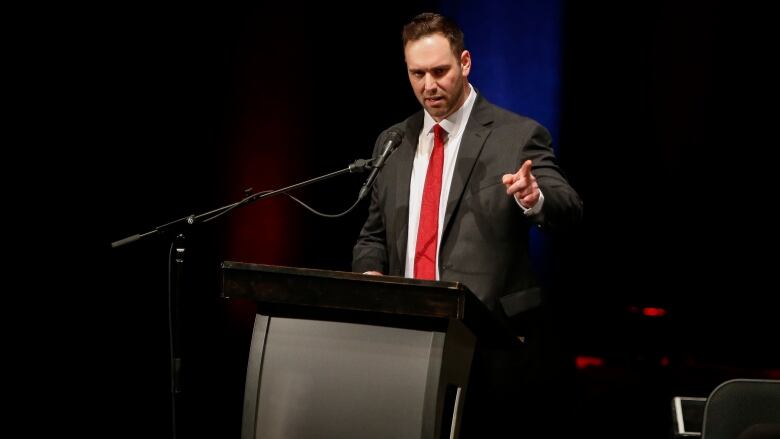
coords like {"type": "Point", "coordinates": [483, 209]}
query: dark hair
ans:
{"type": "Point", "coordinates": [429, 23]}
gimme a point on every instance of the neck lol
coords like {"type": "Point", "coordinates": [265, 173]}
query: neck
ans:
{"type": "Point", "coordinates": [464, 96]}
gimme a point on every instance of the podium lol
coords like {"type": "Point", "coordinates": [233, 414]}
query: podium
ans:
{"type": "Point", "coordinates": [346, 355]}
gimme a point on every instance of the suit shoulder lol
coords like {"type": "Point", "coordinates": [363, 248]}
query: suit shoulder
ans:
{"type": "Point", "coordinates": [510, 125]}
{"type": "Point", "coordinates": [507, 117]}
{"type": "Point", "coordinates": [487, 112]}
{"type": "Point", "coordinates": [410, 125]}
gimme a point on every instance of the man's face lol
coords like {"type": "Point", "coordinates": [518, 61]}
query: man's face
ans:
{"type": "Point", "coordinates": [437, 76]}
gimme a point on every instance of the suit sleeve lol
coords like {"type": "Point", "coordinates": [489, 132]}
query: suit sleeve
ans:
{"type": "Point", "coordinates": [370, 251]}
{"type": "Point", "coordinates": [562, 207]}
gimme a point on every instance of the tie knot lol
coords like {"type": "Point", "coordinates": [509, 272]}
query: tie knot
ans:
{"type": "Point", "coordinates": [438, 134]}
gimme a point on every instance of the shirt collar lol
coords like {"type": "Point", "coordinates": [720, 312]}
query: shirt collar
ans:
{"type": "Point", "coordinates": [455, 121]}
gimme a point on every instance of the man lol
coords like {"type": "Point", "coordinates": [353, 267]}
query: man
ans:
{"type": "Point", "coordinates": [456, 199]}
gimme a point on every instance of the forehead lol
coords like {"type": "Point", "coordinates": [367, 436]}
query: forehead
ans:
{"type": "Point", "coordinates": [429, 51]}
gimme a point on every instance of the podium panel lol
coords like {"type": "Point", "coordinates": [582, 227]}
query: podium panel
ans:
{"type": "Point", "coordinates": [342, 380]}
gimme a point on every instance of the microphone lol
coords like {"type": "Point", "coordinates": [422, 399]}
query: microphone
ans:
{"type": "Point", "coordinates": [392, 140]}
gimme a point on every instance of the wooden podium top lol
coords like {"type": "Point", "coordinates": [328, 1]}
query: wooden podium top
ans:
{"type": "Point", "coordinates": [344, 296]}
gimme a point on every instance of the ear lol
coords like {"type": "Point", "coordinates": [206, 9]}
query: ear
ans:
{"type": "Point", "coordinates": [465, 62]}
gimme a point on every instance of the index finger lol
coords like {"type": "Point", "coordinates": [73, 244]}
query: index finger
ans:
{"type": "Point", "coordinates": [525, 170]}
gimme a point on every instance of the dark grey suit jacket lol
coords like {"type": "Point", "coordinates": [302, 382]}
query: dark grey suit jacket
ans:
{"type": "Point", "coordinates": [485, 236]}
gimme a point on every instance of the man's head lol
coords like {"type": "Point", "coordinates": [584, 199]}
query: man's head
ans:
{"type": "Point", "coordinates": [437, 63]}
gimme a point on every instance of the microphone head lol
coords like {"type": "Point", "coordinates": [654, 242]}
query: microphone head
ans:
{"type": "Point", "coordinates": [393, 138]}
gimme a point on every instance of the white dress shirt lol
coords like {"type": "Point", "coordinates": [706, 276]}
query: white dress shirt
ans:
{"type": "Point", "coordinates": [454, 126]}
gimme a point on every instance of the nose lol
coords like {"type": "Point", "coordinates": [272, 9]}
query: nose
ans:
{"type": "Point", "coordinates": [430, 82]}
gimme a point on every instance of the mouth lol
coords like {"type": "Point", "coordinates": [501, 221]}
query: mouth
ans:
{"type": "Point", "coordinates": [433, 100]}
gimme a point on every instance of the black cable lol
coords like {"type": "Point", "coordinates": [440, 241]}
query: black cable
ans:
{"type": "Point", "coordinates": [240, 203]}
{"type": "Point", "coordinates": [326, 215]}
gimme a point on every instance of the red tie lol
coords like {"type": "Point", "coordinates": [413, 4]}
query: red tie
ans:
{"type": "Point", "coordinates": [428, 229]}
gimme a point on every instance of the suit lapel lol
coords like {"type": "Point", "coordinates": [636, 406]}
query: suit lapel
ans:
{"type": "Point", "coordinates": [474, 137]}
{"type": "Point", "coordinates": [405, 157]}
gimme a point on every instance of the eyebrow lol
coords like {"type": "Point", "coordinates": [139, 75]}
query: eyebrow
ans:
{"type": "Point", "coordinates": [439, 67]}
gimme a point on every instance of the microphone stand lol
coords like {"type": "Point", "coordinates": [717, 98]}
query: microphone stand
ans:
{"type": "Point", "coordinates": [176, 265]}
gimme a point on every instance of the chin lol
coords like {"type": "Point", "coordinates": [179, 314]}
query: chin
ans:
{"type": "Point", "coordinates": [436, 112]}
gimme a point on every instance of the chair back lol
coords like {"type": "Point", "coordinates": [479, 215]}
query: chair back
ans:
{"type": "Point", "coordinates": [742, 409]}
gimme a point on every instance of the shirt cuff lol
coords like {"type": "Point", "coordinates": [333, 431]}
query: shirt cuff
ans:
{"type": "Point", "coordinates": [534, 210]}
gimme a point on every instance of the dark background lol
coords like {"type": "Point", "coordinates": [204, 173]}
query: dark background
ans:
{"type": "Point", "coordinates": [161, 112]}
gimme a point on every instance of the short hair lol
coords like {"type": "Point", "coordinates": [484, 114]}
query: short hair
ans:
{"type": "Point", "coordinates": [429, 23]}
